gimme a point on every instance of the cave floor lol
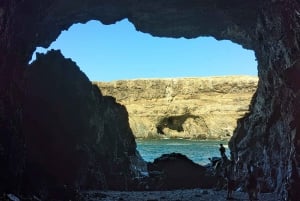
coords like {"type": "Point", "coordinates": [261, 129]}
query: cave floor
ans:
{"type": "Point", "coordinates": [175, 195]}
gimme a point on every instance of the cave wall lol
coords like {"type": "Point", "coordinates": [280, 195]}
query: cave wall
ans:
{"type": "Point", "coordinates": [269, 133]}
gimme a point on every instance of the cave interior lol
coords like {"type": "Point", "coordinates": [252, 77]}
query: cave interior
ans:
{"type": "Point", "coordinates": [270, 28]}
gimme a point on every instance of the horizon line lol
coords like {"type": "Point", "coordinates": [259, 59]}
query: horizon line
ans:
{"type": "Point", "coordinates": [171, 78]}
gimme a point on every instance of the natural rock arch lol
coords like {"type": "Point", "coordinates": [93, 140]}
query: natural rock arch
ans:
{"type": "Point", "coordinates": [269, 133]}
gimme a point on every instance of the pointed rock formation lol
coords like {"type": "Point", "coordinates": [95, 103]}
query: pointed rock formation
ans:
{"type": "Point", "coordinates": [74, 136]}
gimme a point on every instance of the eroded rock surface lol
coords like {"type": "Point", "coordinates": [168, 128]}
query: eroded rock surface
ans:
{"type": "Point", "coordinates": [202, 108]}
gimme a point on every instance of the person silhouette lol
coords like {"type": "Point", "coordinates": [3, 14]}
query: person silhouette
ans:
{"type": "Point", "coordinates": [252, 182]}
{"type": "Point", "coordinates": [222, 152]}
{"type": "Point", "coordinates": [230, 178]}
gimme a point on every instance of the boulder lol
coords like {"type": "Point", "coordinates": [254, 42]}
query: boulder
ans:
{"type": "Point", "coordinates": [177, 171]}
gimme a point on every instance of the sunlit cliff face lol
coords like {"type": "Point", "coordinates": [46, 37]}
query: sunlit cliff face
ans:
{"type": "Point", "coordinates": [269, 133]}
{"type": "Point", "coordinates": [192, 108]}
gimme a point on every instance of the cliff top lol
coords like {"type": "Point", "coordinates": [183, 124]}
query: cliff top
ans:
{"type": "Point", "coordinates": [165, 87]}
{"type": "Point", "coordinates": [227, 77]}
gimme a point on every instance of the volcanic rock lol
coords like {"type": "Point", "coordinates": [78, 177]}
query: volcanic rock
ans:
{"type": "Point", "coordinates": [66, 124]}
{"type": "Point", "coordinates": [177, 171]}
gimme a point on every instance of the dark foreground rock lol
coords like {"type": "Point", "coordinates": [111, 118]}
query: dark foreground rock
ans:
{"type": "Point", "coordinates": [75, 137]}
{"type": "Point", "coordinates": [174, 195]}
{"type": "Point", "coordinates": [176, 171]}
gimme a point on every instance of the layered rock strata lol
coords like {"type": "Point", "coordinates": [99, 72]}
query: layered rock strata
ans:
{"type": "Point", "coordinates": [269, 134]}
{"type": "Point", "coordinates": [202, 108]}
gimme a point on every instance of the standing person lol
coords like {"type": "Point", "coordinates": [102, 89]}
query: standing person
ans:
{"type": "Point", "coordinates": [250, 167]}
{"type": "Point", "coordinates": [238, 166]}
{"type": "Point", "coordinates": [251, 181]}
{"type": "Point", "coordinates": [230, 177]}
{"type": "Point", "coordinates": [222, 152]}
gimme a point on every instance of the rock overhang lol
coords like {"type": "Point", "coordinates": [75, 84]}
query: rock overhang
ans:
{"type": "Point", "coordinates": [188, 19]}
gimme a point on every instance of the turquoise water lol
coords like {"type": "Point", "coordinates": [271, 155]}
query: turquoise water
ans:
{"type": "Point", "coordinates": [197, 150]}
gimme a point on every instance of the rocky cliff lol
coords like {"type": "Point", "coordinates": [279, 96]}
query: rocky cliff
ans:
{"type": "Point", "coordinates": [203, 108]}
{"type": "Point", "coordinates": [66, 124]}
{"type": "Point", "coordinates": [269, 134]}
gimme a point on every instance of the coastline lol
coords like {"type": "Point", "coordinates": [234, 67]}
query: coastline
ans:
{"type": "Point", "coordinates": [197, 150]}
{"type": "Point", "coordinates": [158, 137]}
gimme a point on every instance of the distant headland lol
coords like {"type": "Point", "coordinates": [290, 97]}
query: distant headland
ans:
{"type": "Point", "coordinates": [192, 108]}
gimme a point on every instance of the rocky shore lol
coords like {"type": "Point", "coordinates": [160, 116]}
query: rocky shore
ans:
{"type": "Point", "coordinates": [196, 194]}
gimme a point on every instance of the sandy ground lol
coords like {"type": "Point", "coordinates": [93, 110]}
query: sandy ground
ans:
{"type": "Point", "coordinates": [176, 195]}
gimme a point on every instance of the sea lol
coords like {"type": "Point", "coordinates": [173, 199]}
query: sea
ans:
{"type": "Point", "coordinates": [197, 150]}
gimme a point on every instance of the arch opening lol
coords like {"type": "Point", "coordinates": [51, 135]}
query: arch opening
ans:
{"type": "Point", "coordinates": [119, 47]}
{"type": "Point", "coordinates": [96, 48]}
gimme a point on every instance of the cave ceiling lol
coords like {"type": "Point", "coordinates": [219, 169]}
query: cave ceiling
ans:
{"type": "Point", "coordinates": [189, 19]}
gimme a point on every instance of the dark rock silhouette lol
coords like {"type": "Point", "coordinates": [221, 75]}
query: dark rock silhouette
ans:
{"type": "Point", "coordinates": [177, 171]}
{"type": "Point", "coordinates": [74, 136]}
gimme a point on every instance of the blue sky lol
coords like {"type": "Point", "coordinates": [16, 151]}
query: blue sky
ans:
{"type": "Point", "coordinates": [114, 52]}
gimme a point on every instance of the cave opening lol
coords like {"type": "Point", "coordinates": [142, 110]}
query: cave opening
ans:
{"type": "Point", "coordinates": [109, 59]}
{"type": "Point", "coordinates": [267, 27]}
{"type": "Point", "coordinates": [118, 51]}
